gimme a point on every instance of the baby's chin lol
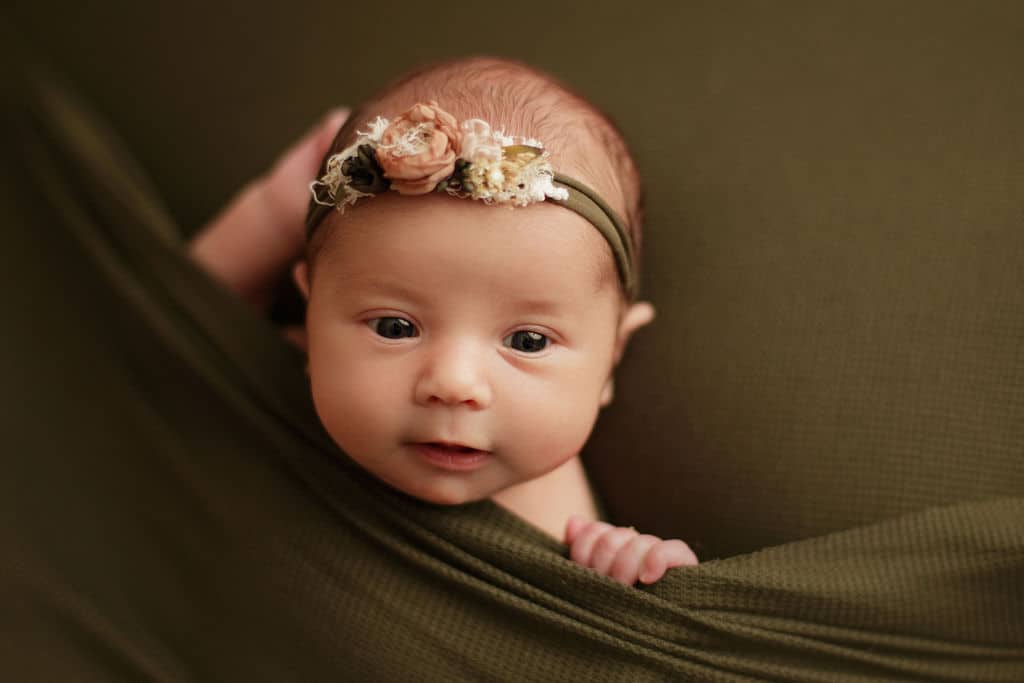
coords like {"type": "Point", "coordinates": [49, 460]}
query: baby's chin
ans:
{"type": "Point", "coordinates": [448, 500]}
{"type": "Point", "coordinates": [447, 493]}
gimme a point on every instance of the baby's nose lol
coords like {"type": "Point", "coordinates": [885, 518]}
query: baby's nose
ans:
{"type": "Point", "coordinates": [454, 376]}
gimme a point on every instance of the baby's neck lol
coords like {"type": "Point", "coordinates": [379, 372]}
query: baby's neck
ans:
{"type": "Point", "coordinates": [547, 501]}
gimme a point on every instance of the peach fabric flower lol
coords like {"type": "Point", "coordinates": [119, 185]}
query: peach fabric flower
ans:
{"type": "Point", "coordinates": [418, 149]}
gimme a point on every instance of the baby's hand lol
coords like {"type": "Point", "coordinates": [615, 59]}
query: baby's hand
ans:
{"type": "Point", "coordinates": [253, 241]}
{"type": "Point", "coordinates": [623, 554]}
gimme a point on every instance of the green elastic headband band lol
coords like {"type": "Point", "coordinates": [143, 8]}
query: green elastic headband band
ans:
{"type": "Point", "coordinates": [587, 203]}
{"type": "Point", "coordinates": [583, 201]}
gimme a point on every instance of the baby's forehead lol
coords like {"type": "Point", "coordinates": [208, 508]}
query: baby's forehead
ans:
{"type": "Point", "coordinates": [521, 246]}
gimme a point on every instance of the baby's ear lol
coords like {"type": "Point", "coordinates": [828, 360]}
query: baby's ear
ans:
{"type": "Point", "coordinates": [300, 274]}
{"type": "Point", "coordinates": [636, 316]}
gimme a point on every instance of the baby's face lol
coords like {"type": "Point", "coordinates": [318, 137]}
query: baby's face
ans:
{"type": "Point", "coordinates": [457, 349]}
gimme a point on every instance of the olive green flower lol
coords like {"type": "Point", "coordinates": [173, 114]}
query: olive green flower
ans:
{"type": "Point", "coordinates": [366, 174]}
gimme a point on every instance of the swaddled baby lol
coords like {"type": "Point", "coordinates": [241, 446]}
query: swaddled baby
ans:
{"type": "Point", "coordinates": [470, 274]}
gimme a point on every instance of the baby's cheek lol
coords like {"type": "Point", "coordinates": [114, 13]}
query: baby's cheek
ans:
{"type": "Point", "coordinates": [350, 399]}
{"type": "Point", "coordinates": [554, 429]}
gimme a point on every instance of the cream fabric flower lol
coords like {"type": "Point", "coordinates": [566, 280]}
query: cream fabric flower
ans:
{"type": "Point", "coordinates": [479, 145]}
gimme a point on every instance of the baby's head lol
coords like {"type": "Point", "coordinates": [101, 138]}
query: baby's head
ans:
{"type": "Point", "coordinates": [458, 348]}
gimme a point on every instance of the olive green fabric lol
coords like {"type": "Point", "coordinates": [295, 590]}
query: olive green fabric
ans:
{"type": "Point", "coordinates": [172, 510]}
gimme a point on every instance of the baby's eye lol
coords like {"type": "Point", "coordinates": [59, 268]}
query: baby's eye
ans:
{"type": "Point", "coordinates": [393, 328]}
{"type": "Point", "coordinates": [526, 340]}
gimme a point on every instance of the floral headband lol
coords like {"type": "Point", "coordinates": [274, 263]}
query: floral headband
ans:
{"type": "Point", "coordinates": [426, 150]}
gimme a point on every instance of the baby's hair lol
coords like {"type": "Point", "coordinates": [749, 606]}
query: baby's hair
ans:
{"type": "Point", "coordinates": [583, 141]}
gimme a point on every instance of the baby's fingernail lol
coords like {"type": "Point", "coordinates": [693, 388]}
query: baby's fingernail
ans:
{"type": "Point", "coordinates": [646, 577]}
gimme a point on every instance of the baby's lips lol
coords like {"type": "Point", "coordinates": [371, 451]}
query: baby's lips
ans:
{"type": "Point", "coordinates": [457, 445]}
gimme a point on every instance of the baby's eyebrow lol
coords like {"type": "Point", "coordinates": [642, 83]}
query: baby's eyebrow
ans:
{"type": "Point", "coordinates": [543, 306]}
{"type": "Point", "coordinates": [392, 287]}
{"type": "Point", "coordinates": [518, 305]}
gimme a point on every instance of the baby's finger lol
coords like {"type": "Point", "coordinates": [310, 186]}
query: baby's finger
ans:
{"type": "Point", "coordinates": [628, 562]}
{"type": "Point", "coordinates": [585, 539]}
{"type": "Point", "coordinates": [573, 528]}
{"type": "Point", "coordinates": [608, 546]}
{"type": "Point", "coordinates": [302, 159]}
{"type": "Point", "coordinates": [665, 555]}
{"type": "Point", "coordinates": [328, 127]}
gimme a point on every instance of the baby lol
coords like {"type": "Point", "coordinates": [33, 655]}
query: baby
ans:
{"type": "Point", "coordinates": [470, 289]}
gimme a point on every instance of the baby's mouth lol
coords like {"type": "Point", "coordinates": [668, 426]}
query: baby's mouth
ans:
{"type": "Point", "coordinates": [455, 446]}
{"type": "Point", "coordinates": [451, 456]}
{"type": "Point", "coordinates": [448, 445]}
